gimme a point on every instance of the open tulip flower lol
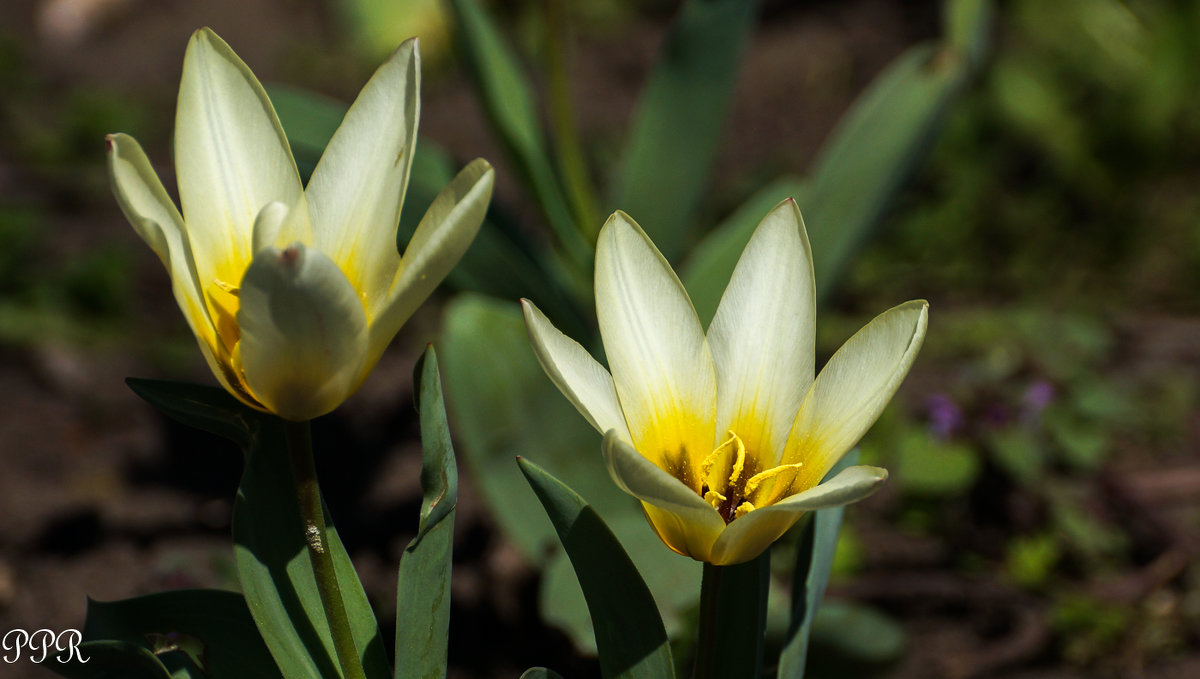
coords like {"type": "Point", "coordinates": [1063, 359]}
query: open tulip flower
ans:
{"type": "Point", "coordinates": [293, 292]}
{"type": "Point", "coordinates": [725, 437]}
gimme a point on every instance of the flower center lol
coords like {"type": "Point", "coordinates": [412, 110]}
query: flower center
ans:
{"type": "Point", "coordinates": [731, 485]}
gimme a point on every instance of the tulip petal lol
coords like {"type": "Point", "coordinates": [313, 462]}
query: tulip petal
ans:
{"type": "Point", "coordinates": [231, 157]}
{"type": "Point", "coordinates": [853, 388]}
{"type": "Point", "coordinates": [441, 238]}
{"type": "Point", "coordinates": [358, 187]}
{"type": "Point", "coordinates": [684, 521]}
{"type": "Point", "coordinates": [752, 533]}
{"type": "Point", "coordinates": [762, 335]}
{"type": "Point", "coordinates": [577, 375]}
{"type": "Point", "coordinates": [303, 332]}
{"type": "Point", "coordinates": [153, 215]}
{"type": "Point", "coordinates": [656, 351]}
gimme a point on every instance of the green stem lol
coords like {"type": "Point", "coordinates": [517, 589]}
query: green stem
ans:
{"type": "Point", "coordinates": [733, 618]}
{"type": "Point", "coordinates": [706, 637]}
{"type": "Point", "coordinates": [562, 120]}
{"type": "Point", "coordinates": [299, 443]}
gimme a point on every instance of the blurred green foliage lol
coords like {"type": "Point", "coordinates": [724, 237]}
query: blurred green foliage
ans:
{"type": "Point", "coordinates": [1070, 173]}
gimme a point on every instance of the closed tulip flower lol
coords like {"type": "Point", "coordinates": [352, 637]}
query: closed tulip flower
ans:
{"type": "Point", "coordinates": [293, 292]}
{"type": "Point", "coordinates": [725, 436]}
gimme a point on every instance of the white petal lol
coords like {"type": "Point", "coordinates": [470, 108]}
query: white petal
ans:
{"type": "Point", "coordinates": [358, 187]}
{"type": "Point", "coordinates": [747, 536]}
{"type": "Point", "coordinates": [762, 335]}
{"type": "Point", "coordinates": [231, 157]}
{"type": "Point", "coordinates": [303, 332]}
{"type": "Point", "coordinates": [656, 350]}
{"type": "Point", "coordinates": [577, 375]}
{"type": "Point", "coordinates": [444, 234]}
{"type": "Point", "coordinates": [153, 215]}
{"type": "Point", "coordinates": [853, 388]}
{"type": "Point", "coordinates": [687, 523]}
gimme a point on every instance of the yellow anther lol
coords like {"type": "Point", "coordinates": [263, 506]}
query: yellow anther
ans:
{"type": "Point", "coordinates": [775, 479]}
{"type": "Point", "coordinates": [714, 498]}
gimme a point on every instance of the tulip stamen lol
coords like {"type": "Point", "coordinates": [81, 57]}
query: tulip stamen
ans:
{"type": "Point", "coordinates": [726, 478]}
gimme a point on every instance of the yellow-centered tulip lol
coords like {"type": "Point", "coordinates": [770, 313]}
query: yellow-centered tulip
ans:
{"type": "Point", "coordinates": [293, 292]}
{"type": "Point", "coordinates": [725, 436]}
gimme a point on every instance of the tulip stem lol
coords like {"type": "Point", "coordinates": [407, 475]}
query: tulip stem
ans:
{"type": "Point", "coordinates": [299, 443]}
{"type": "Point", "coordinates": [733, 618]}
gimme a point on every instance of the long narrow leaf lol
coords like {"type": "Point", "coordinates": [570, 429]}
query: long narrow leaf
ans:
{"type": "Point", "coordinates": [423, 592]}
{"type": "Point", "coordinates": [207, 408]}
{"type": "Point", "coordinates": [814, 560]}
{"type": "Point", "coordinates": [865, 161]}
{"type": "Point", "coordinates": [873, 150]}
{"type": "Point", "coordinates": [509, 102]}
{"type": "Point", "coordinates": [630, 635]}
{"type": "Point", "coordinates": [678, 123]}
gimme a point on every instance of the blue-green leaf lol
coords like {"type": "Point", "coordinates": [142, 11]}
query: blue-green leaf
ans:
{"type": "Point", "coordinates": [423, 592]}
{"type": "Point", "coordinates": [276, 572]}
{"type": "Point", "coordinates": [504, 408]}
{"type": "Point", "coordinates": [677, 127]}
{"type": "Point", "coordinates": [814, 560]}
{"type": "Point", "coordinates": [210, 409]}
{"type": "Point", "coordinates": [509, 102]}
{"type": "Point", "coordinates": [109, 659]}
{"type": "Point", "coordinates": [630, 635]}
{"type": "Point", "coordinates": [209, 632]}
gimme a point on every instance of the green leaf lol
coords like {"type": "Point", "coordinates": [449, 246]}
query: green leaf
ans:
{"type": "Point", "coordinates": [205, 631]}
{"type": "Point", "coordinates": [540, 673]}
{"type": "Point", "coordinates": [677, 127]}
{"type": "Point", "coordinates": [814, 561]}
{"type": "Point", "coordinates": [210, 409]}
{"type": "Point", "coordinates": [110, 660]}
{"type": "Point", "coordinates": [503, 408]}
{"type": "Point", "coordinates": [509, 102]}
{"type": "Point", "coordinates": [968, 27]}
{"type": "Point", "coordinates": [276, 573]}
{"type": "Point", "coordinates": [629, 631]}
{"type": "Point", "coordinates": [874, 149]}
{"type": "Point", "coordinates": [423, 592]}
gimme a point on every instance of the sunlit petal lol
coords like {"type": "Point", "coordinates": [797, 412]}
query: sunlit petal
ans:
{"type": "Point", "coordinates": [303, 332]}
{"type": "Point", "coordinates": [231, 157]}
{"type": "Point", "coordinates": [444, 234]}
{"type": "Point", "coordinates": [656, 351]}
{"type": "Point", "coordinates": [685, 522]}
{"type": "Point", "coordinates": [153, 215]}
{"type": "Point", "coordinates": [853, 388]}
{"type": "Point", "coordinates": [577, 375]}
{"type": "Point", "coordinates": [749, 535]}
{"type": "Point", "coordinates": [762, 335]}
{"type": "Point", "coordinates": [358, 187]}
